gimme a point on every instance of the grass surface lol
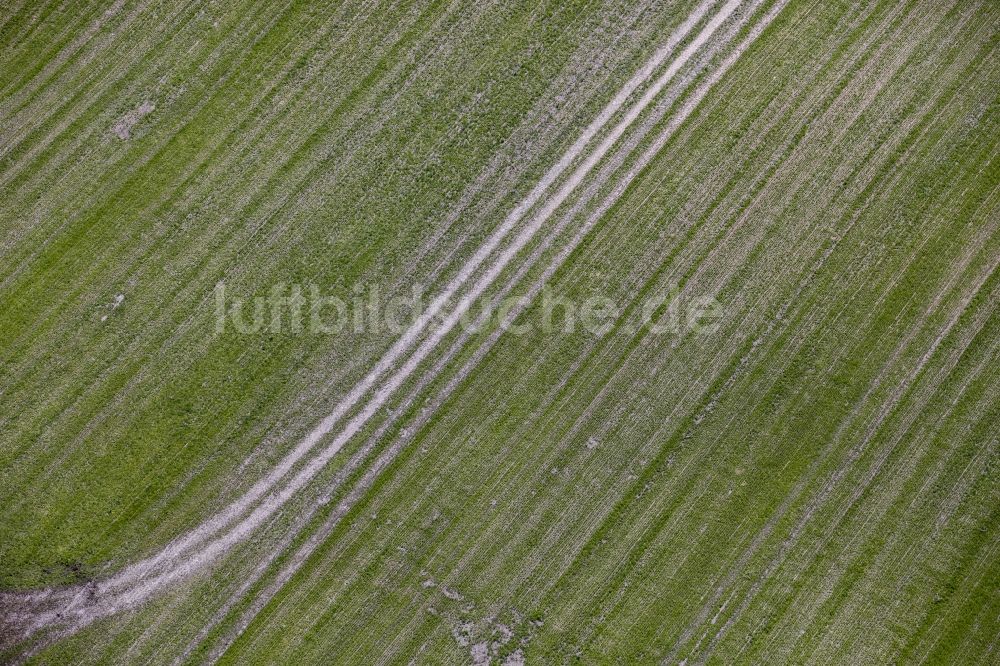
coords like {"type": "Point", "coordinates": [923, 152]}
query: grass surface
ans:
{"type": "Point", "coordinates": [812, 481]}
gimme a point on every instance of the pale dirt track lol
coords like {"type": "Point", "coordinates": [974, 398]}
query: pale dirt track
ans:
{"type": "Point", "coordinates": [67, 610]}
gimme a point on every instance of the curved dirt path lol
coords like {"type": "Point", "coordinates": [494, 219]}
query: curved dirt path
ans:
{"type": "Point", "coordinates": [69, 609]}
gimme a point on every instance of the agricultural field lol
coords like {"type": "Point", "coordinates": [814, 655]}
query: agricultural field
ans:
{"type": "Point", "coordinates": [453, 332]}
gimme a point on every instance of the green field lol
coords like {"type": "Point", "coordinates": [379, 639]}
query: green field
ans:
{"type": "Point", "coordinates": [811, 479]}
